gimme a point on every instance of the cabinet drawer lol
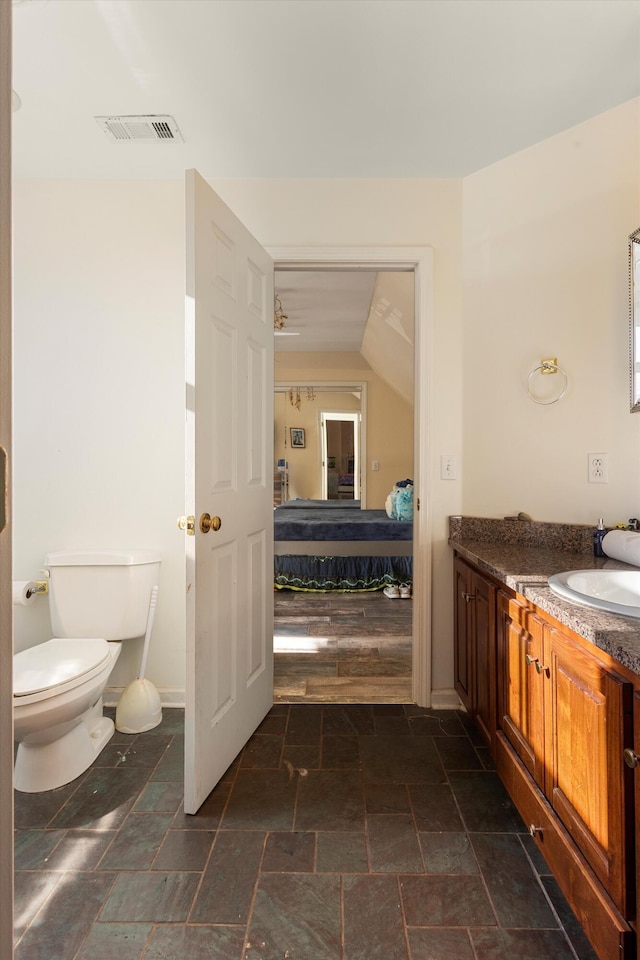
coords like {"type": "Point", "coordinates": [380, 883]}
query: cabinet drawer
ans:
{"type": "Point", "coordinates": [611, 936]}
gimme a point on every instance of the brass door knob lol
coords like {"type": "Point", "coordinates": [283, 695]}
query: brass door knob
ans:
{"type": "Point", "coordinates": [188, 524]}
{"type": "Point", "coordinates": [208, 522]}
{"type": "Point", "coordinates": [631, 758]}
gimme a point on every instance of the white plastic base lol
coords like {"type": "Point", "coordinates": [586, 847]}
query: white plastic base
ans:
{"type": "Point", "coordinates": [45, 766]}
{"type": "Point", "coordinates": [139, 708]}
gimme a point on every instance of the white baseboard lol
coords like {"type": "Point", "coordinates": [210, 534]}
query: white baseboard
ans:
{"type": "Point", "coordinates": [446, 699]}
{"type": "Point", "coordinates": [168, 698]}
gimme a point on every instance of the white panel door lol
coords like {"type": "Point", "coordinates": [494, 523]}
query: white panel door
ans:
{"type": "Point", "coordinates": [229, 476]}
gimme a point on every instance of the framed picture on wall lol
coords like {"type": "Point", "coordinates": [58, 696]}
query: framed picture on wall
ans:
{"type": "Point", "coordinates": [297, 436]}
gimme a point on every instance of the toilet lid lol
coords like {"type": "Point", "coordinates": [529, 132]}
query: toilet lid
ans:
{"type": "Point", "coordinates": [56, 662]}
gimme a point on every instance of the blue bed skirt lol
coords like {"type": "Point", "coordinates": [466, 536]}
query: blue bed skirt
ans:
{"type": "Point", "coordinates": [346, 574]}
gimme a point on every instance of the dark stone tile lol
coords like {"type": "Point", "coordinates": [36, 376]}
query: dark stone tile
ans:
{"type": "Point", "coordinates": [575, 933]}
{"type": "Point", "coordinates": [164, 796]}
{"type": "Point", "coordinates": [401, 760]}
{"type": "Point", "coordinates": [523, 944]}
{"type": "Point", "coordinates": [208, 815]}
{"type": "Point", "coordinates": [261, 800]}
{"type": "Point", "coordinates": [393, 844]}
{"type": "Point", "coordinates": [103, 799]}
{"type": "Point", "coordinates": [340, 753]}
{"type": "Point", "coordinates": [32, 848]}
{"type": "Point", "coordinates": [148, 749]}
{"type": "Point", "coordinates": [345, 719]}
{"type": "Point", "coordinates": [262, 752]}
{"type": "Point", "coordinates": [137, 842]}
{"type": "Point", "coordinates": [342, 853]}
{"type": "Point", "coordinates": [534, 853]}
{"type": "Point", "coordinates": [386, 798]}
{"type": "Point", "coordinates": [434, 808]}
{"type": "Point", "coordinates": [302, 757]}
{"type": "Point", "coordinates": [305, 724]}
{"type": "Point", "coordinates": [512, 883]}
{"type": "Point", "coordinates": [448, 853]}
{"type": "Point", "coordinates": [229, 881]}
{"type": "Point", "coordinates": [113, 754]}
{"type": "Point", "coordinates": [484, 803]}
{"type": "Point", "coordinates": [295, 914]}
{"type": "Point", "coordinates": [274, 724]}
{"type": "Point", "coordinates": [485, 758]}
{"type": "Point", "coordinates": [438, 901]}
{"type": "Point", "coordinates": [457, 753]}
{"type": "Point", "coordinates": [39, 809]}
{"type": "Point", "coordinates": [289, 853]}
{"type": "Point", "coordinates": [65, 918]}
{"type": "Point", "coordinates": [115, 941]}
{"type": "Point", "coordinates": [433, 726]}
{"type": "Point", "coordinates": [172, 722]}
{"type": "Point", "coordinates": [184, 850]}
{"type": "Point", "coordinates": [207, 942]}
{"type": "Point", "coordinates": [373, 927]}
{"type": "Point", "coordinates": [151, 897]}
{"type": "Point", "coordinates": [392, 726]}
{"type": "Point", "coordinates": [80, 850]}
{"type": "Point", "coordinates": [31, 889]}
{"type": "Point", "coordinates": [439, 944]}
{"type": "Point", "coordinates": [171, 766]}
{"type": "Point", "coordinates": [330, 800]}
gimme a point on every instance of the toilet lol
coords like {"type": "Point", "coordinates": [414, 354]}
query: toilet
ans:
{"type": "Point", "coordinates": [97, 599]}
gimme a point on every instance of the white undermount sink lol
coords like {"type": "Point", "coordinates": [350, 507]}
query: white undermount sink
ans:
{"type": "Point", "coordinates": [617, 591]}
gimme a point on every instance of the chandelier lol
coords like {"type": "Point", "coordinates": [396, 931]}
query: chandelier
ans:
{"type": "Point", "coordinates": [279, 316]}
{"type": "Point", "coordinates": [295, 397]}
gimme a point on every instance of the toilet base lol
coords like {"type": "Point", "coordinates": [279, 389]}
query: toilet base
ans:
{"type": "Point", "coordinates": [45, 766]}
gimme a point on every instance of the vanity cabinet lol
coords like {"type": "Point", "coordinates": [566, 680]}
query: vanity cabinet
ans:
{"type": "Point", "coordinates": [563, 717]}
{"type": "Point", "coordinates": [475, 661]}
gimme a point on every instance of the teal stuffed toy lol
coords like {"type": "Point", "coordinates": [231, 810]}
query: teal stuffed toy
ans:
{"type": "Point", "coordinates": [399, 503]}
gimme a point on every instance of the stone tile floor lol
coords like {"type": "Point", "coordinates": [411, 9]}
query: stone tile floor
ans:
{"type": "Point", "coordinates": [341, 832]}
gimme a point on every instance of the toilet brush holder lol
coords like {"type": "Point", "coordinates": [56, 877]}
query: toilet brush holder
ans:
{"type": "Point", "coordinates": [139, 708]}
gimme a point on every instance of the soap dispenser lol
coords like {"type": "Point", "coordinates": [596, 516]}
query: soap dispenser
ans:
{"type": "Point", "coordinates": [598, 536]}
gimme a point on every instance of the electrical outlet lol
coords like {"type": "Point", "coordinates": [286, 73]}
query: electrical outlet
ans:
{"type": "Point", "coordinates": [448, 467]}
{"type": "Point", "coordinates": [598, 467]}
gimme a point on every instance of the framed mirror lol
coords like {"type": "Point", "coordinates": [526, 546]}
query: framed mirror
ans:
{"type": "Point", "coordinates": [634, 319]}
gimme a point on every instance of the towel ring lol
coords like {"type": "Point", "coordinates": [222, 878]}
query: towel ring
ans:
{"type": "Point", "coordinates": [547, 366]}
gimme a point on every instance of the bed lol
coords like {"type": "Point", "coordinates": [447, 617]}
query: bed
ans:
{"type": "Point", "coordinates": [325, 545]}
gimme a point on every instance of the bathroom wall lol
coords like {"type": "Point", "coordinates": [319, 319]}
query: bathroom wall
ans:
{"type": "Point", "coordinates": [99, 385]}
{"type": "Point", "coordinates": [545, 275]}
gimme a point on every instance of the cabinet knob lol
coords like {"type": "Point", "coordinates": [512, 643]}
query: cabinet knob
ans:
{"type": "Point", "coordinates": [533, 830]}
{"type": "Point", "coordinates": [540, 667]}
{"type": "Point", "coordinates": [468, 597]}
{"type": "Point", "coordinates": [631, 758]}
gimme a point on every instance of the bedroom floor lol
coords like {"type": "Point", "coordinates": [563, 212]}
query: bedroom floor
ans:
{"type": "Point", "coordinates": [341, 648]}
{"type": "Point", "coordinates": [339, 833]}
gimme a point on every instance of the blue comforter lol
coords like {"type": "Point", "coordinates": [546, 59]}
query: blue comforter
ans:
{"type": "Point", "coordinates": [329, 520]}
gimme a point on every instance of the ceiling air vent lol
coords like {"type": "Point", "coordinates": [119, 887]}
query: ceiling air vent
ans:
{"type": "Point", "coordinates": [144, 129]}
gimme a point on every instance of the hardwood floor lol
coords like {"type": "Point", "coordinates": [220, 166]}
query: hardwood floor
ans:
{"type": "Point", "coordinates": [342, 648]}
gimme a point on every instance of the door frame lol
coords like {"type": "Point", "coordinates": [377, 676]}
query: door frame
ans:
{"type": "Point", "coordinates": [420, 261]}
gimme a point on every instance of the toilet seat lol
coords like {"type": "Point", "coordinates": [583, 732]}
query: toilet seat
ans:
{"type": "Point", "coordinates": [56, 666]}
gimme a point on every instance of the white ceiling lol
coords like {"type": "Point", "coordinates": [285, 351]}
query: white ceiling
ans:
{"type": "Point", "coordinates": [312, 88]}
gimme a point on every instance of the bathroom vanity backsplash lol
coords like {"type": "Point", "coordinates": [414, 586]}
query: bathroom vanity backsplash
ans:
{"type": "Point", "coordinates": [572, 537]}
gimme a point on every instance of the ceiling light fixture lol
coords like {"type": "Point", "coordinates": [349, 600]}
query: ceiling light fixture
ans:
{"type": "Point", "coordinates": [279, 316]}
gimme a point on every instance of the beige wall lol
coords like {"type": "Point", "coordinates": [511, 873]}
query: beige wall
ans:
{"type": "Point", "coordinates": [545, 275]}
{"type": "Point", "coordinates": [388, 427]}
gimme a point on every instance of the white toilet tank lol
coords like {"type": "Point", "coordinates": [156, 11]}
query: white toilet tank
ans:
{"type": "Point", "coordinates": [101, 593]}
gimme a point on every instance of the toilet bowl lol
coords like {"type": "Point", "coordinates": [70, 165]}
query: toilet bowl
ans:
{"type": "Point", "coordinates": [58, 685]}
{"type": "Point", "coordinates": [57, 710]}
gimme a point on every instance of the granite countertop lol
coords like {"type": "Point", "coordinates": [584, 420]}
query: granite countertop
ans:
{"type": "Point", "coordinates": [524, 554]}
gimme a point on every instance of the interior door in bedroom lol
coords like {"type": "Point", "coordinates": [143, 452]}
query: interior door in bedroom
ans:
{"type": "Point", "coordinates": [229, 481]}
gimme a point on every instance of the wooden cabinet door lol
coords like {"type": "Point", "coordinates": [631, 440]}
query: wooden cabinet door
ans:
{"type": "Point", "coordinates": [589, 716]}
{"type": "Point", "coordinates": [483, 618]}
{"type": "Point", "coordinates": [463, 650]}
{"type": "Point", "coordinates": [521, 682]}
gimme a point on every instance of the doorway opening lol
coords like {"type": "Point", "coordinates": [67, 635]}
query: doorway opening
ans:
{"type": "Point", "coordinates": [307, 627]}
